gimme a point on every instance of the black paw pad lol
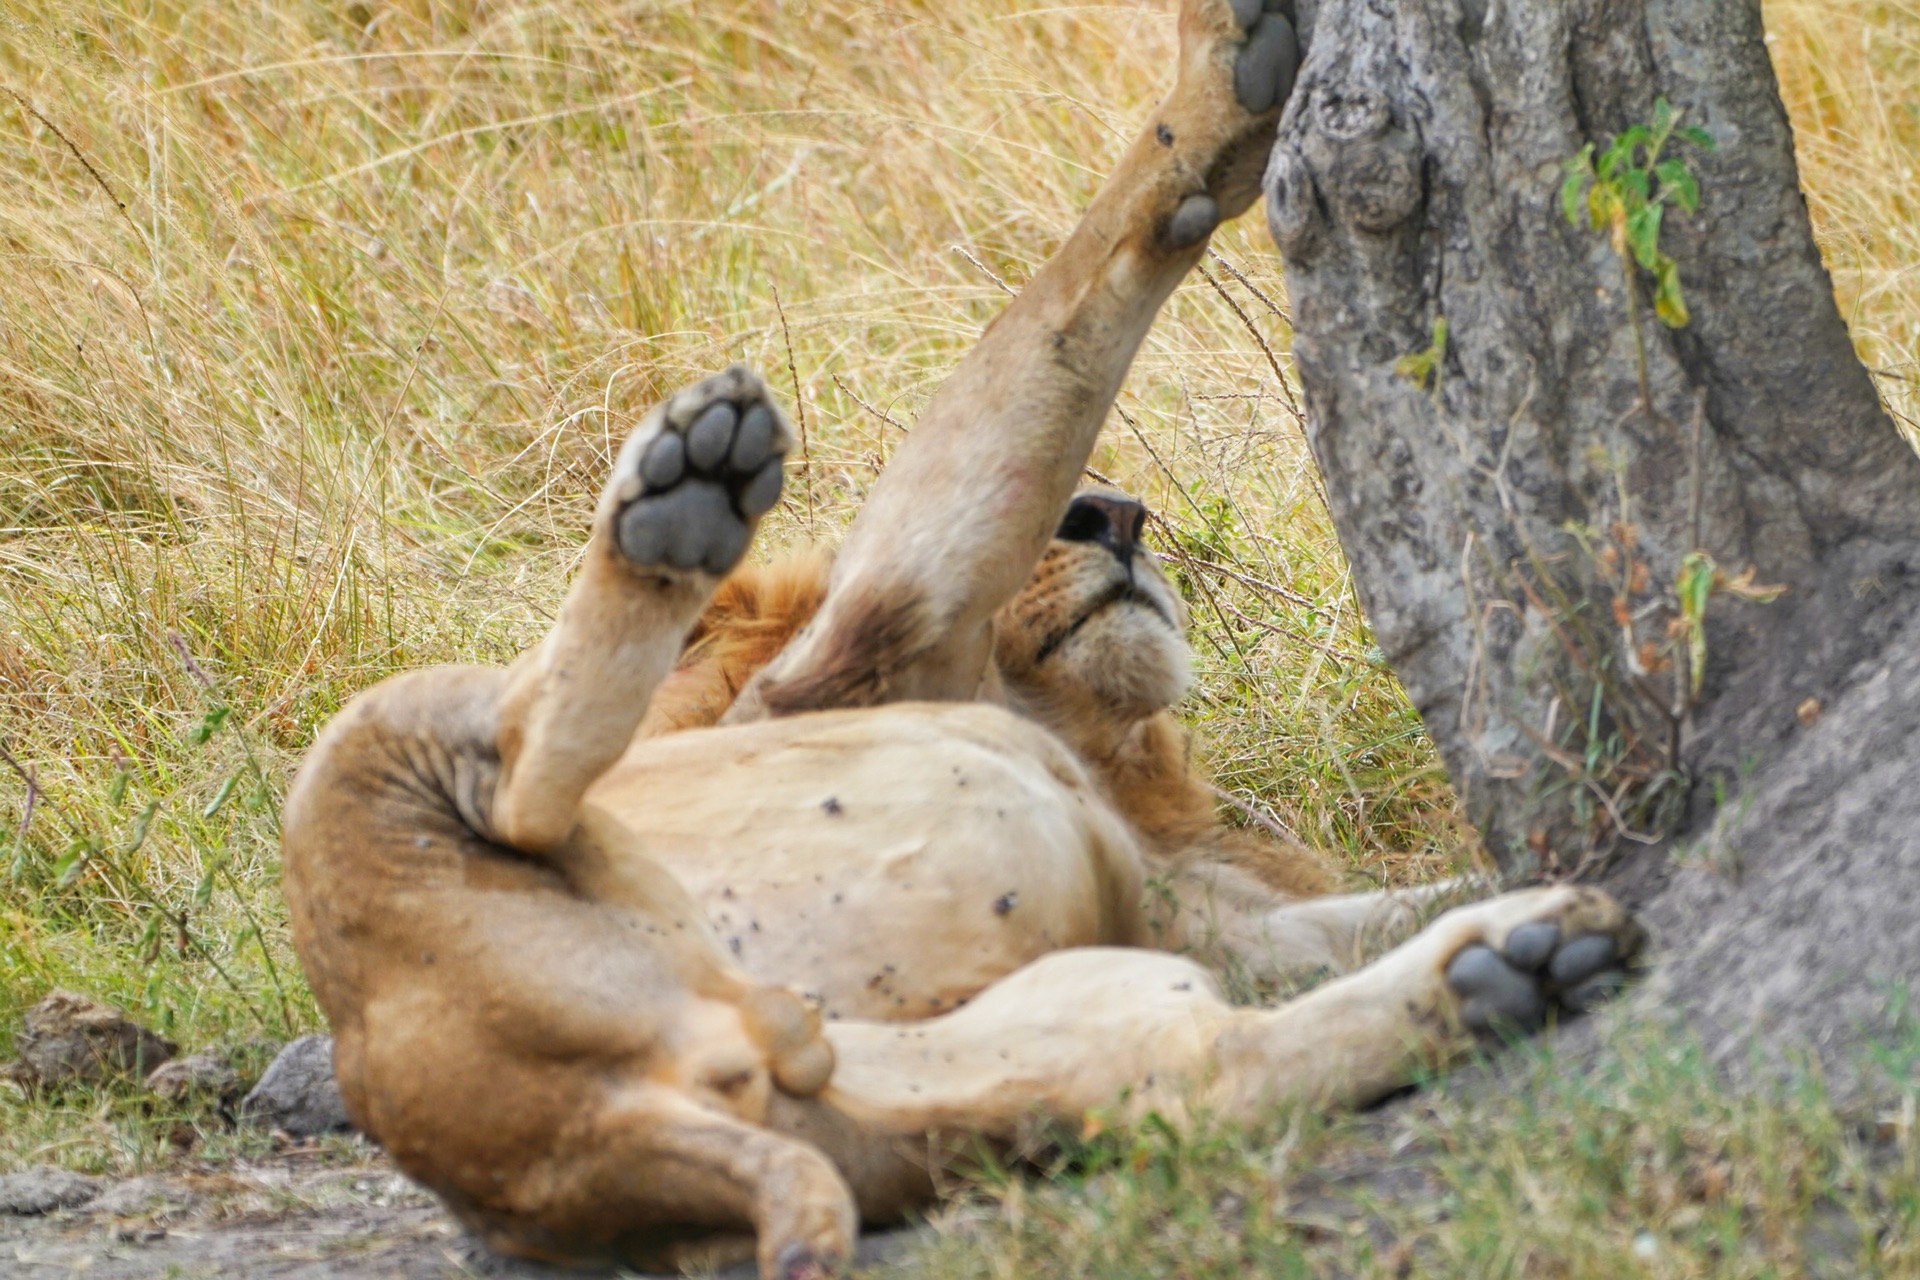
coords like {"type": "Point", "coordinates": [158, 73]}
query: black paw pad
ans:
{"type": "Point", "coordinates": [714, 468]}
{"type": "Point", "coordinates": [1536, 969]}
{"type": "Point", "coordinates": [1193, 221]}
{"type": "Point", "coordinates": [1493, 993]}
{"type": "Point", "coordinates": [1582, 958]}
{"type": "Point", "coordinates": [1263, 72]}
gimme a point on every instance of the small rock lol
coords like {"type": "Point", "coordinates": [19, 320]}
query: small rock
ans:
{"type": "Point", "coordinates": [200, 1075]}
{"type": "Point", "coordinates": [45, 1189]}
{"type": "Point", "coordinates": [143, 1196]}
{"type": "Point", "coordinates": [71, 1037]}
{"type": "Point", "coordinates": [298, 1093]}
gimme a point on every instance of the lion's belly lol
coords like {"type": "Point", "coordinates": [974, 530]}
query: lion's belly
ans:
{"type": "Point", "coordinates": [894, 861]}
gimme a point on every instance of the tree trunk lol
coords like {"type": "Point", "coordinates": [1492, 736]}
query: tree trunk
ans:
{"type": "Point", "coordinates": [1520, 522]}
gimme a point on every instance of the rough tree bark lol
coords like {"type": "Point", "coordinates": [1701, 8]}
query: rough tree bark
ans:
{"type": "Point", "coordinates": [1503, 519]}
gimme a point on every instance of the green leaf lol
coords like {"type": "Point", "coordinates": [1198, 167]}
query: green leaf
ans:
{"type": "Point", "coordinates": [74, 862]}
{"type": "Point", "coordinates": [1638, 183]}
{"type": "Point", "coordinates": [118, 791]}
{"type": "Point", "coordinates": [221, 796]}
{"type": "Point", "coordinates": [208, 726]}
{"type": "Point", "coordinates": [203, 892]}
{"type": "Point", "coordinates": [1601, 202]}
{"type": "Point", "coordinates": [1676, 179]}
{"type": "Point", "coordinates": [1668, 302]}
{"type": "Point", "coordinates": [1694, 588]}
{"type": "Point", "coordinates": [1662, 118]}
{"type": "Point", "coordinates": [1698, 137]}
{"type": "Point", "coordinates": [1609, 161]}
{"type": "Point", "coordinates": [1643, 234]}
{"type": "Point", "coordinates": [1579, 169]}
{"type": "Point", "coordinates": [141, 826]}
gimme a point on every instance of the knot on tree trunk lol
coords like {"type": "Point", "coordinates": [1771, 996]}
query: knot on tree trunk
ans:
{"type": "Point", "coordinates": [1351, 152]}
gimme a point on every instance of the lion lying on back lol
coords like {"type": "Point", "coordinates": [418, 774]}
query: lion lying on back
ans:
{"type": "Point", "coordinates": [935, 786]}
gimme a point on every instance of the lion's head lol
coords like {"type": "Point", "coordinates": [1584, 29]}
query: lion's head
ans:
{"type": "Point", "coordinates": [1098, 634]}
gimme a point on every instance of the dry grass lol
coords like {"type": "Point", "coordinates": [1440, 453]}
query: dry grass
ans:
{"type": "Point", "coordinates": [321, 320]}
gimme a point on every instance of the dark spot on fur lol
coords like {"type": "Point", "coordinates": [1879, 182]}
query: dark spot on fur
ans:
{"type": "Point", "coordinates": [1005, 903]}
{"type": "Point", "coordinates": [1164, 134]}
{"type": "Point", "coordinates": [832, 806]}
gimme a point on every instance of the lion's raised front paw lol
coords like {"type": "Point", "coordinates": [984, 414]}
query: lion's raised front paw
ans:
{"type": "Point", "coordinates": [689, 490]}
{"type": "Point", "coordinates": [1563, 947]}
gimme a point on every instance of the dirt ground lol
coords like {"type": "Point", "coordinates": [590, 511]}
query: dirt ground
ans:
{"type": "Point", "coordinates": [303, 1215]}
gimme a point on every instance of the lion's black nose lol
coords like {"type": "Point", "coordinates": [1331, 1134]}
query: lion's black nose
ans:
{"type": "Point", "coordinates": [1111, 519]}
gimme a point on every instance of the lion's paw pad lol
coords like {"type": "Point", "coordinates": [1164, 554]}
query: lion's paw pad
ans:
{"type": "Point", "coordinates": [714, 468]}
{"type": "Point", "coordinates": [1263, 70]}
{"type": "Point", "coordinates": [1515, 986]}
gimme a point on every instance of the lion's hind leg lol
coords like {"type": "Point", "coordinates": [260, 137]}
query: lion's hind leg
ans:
{"type": "Point", "coordinates": [687, 489]}
{"type": "Point", "coordinates": [1084, 1029]}
{"type": "Point", "coordinates": [653, 1179]}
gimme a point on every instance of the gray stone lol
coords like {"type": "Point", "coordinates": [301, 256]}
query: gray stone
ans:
{"type": "Point", "coordinates": [43, 1190]}
{"type": "Point", "coordinates": [298, 1093]}
{"type": "Point", "coordinates": [205, 1075]}
{"type": "Point", "coordinates": [71, 1037]}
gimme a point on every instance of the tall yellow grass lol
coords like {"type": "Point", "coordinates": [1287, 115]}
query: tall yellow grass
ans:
{"type": "Point", "coordinates": [319, 321]}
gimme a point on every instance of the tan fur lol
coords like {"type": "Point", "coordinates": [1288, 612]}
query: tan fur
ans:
{"type": "Point", "coordinates": [1146, 769]}
{"type": "Point", "coordinates": [559, 951]}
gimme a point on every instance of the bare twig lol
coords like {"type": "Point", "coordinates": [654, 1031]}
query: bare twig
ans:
{"type": "Point", "coordinates": [986, 271]}
{"type": "Point", "coordinates": [854, 396]}
{"type": "Point", "coordinates": [187, 660]}
{"type": "Point", "coordinates": [1251, 287]}
{"type": "Point", "coordinates": [79, 155]}
{"type": "Point", "coordinates": [1273, 361]}
{"type": "Point", "coordinates": [32, 782]}
{"type": "Point", "coordinates": [1263, 819]}
{"type": "Point", "coordinates": [799, 408]}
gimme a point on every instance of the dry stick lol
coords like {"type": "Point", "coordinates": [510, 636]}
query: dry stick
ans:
{"type": "Point", "coordinates": [1262, 819]}
{"type": "Point", "coordinates": [854, 396]}
{"type": "Point", "coordinates": [33, 792]}
{"type": "Point", "coordinates": [800, 408]}
{"type": "Point", "coordinates": [986, 271]}
{"type": "Point", "coordinates": [79, 155]}
{"type": "Point", "coordinates": [1286, 392]}
{"type": "Point", "coordinates": [1174, 542]}
{"type": "Point", "coordinates": [1251, 287]}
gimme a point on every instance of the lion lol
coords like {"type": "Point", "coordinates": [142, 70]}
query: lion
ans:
{"type": "Point", "coordinates": [738, 906]}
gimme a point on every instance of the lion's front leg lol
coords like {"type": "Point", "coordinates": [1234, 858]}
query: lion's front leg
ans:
{"type": "Point", "coordinates": [964, 509]}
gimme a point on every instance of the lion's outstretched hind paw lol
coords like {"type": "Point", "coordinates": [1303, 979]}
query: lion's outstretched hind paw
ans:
{"type": "Point", "coordinates": [1264, 68]}
{"type": "Point", "coordinates": [1573, 959]}
{"type": "Point", "coordinates": [691, 490]}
